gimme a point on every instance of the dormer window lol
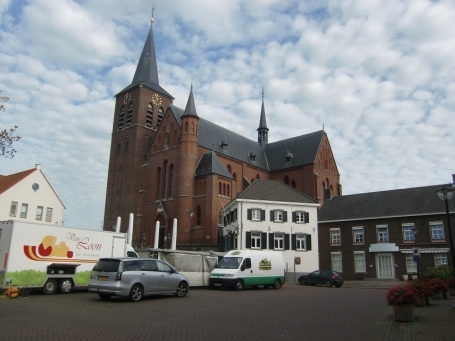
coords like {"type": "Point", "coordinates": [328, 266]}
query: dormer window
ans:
{"type": "Point", "coordinates": [223, 143]}
{"type": "Point", "coordinates": [252, 156]}
{"type": "Point", "coordinates": [289, 157]}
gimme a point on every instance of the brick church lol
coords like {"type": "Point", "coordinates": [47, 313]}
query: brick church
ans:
{"type": "Point", "coordinates": [167, 162]}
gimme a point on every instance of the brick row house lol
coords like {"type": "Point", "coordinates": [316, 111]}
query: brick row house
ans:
{"type": "Point", "coordinates": [167, 162]}
{"type": "Point", "coordinates": [372, 235]}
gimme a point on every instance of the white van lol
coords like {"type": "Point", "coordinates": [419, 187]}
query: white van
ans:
{"type": "Point", "coordinates": [240, 268]}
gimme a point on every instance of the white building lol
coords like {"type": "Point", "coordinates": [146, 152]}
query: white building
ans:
{"type": "Point", "coordinates": [270, 215]}
{"type": "Point", "coordinates": [29, 196]}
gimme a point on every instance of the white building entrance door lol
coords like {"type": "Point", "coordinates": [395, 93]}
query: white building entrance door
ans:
{"type": "Point", "coordinates": [385, 265]}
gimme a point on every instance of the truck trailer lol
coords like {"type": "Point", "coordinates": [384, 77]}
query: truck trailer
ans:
{"type": "Point", "coordinates": [54, 258]}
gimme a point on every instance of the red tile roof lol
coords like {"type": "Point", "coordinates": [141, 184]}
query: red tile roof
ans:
{"type": "Point", "coordinates": [8, 181]}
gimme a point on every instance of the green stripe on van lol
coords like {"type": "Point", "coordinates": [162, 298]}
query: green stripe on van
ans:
{"type": "Point", "coordinates": [263, 280]}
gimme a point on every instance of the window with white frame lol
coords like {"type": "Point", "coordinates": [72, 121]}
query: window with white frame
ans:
{"type": "Point", "coordinates": [49, 214]}
{"type": "Point", "coordinates": [411, 266]}
{"type": "Point", "coordinates": [408, 233]}
{"type": "Point", "coordinates": [300, 242]}
{"type": "Point", "coordinates": [440, 259]}
{"type": "Point", "coordinates": [437, 231]}
{"type": "Point", "coordinates": [278, 241]}
{"type": "Point", "coordinates": [278, 216]}
{"type": "Point", "coordinates": [13, 209]}
{"type": "Point", "coordinates": [255, 214]}
{"type": "Point", "coordinates": [24, 209]}
{"type": "Point", "coordinates": [300, 217]}
{"type": "Point", "coordinates": [255, 240]}
{"type": "Point", "coordinates": [383, 233]}
{"type": "Point", "coordinates": [39, 213]}
{"type": "Point", "coordinates": [337, 262]}
{"type": "Point", "coordinates": [358, 235]}
{"type": "Point", "coordinates": [335, 236]}
{"type": "Point", "coordinates": [359, 262]}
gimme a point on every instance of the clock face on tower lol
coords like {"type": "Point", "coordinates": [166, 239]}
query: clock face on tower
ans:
{"type": "Point", "coordinates": [156, 99]}
{"type": "Point", "coordinates": [127, 98]}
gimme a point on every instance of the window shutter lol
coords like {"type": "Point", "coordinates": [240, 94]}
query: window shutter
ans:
{"type": "Point", "coordinates": [271, 241]}
{"type": "Point", "coordinates": [293, 217]}
{"type": "Point", "coordinates": [307, 217]}
{"type": "Point", "coordinates": [262, 215]}
{"type": "Point", "coordinates": [294, 242]}
{"type": "Point", "coordinates": [285, 216]}
{"type": "Point", "coordinates": [248, 240]}
{"type": "Point", "coordinates": [231, 217]}
{"type": "Point", "coordinates": [308, 242]}
{"type": "Point", "coordinates": [235, 215]}
{"type": "Point", "coordinates": [263, 240]}
{"type": "Point", "coordinates": [271, 215]}
{"type": "Point", "coordinates": [248, 214]}
{"type": "Point", "coordinates": [286, 241]}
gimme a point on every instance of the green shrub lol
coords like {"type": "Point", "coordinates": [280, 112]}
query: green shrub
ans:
{"type": "Point", "coordinates": [442, 272]}
{"type": "Point", "coordinates": [27, 278]}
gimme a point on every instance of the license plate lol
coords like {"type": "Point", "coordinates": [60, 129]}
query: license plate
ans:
{"type": "Point", "coordinates": [217, 284]}
{"type": "Point", "coordinates": [103, 278]}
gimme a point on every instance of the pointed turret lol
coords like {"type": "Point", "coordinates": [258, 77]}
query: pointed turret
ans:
{"type": "Point", "coordinates": [190, 109]}
{"type": "Point", "coordinates": [263, 130]}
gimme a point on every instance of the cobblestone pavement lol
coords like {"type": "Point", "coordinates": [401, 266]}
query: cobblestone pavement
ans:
{"type": "Point", "coordinates": [294, 312]}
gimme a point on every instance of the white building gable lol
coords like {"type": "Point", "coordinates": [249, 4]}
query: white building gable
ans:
{"type": "Point", "coordinates": [289, 227]}
{"type": "Point", "coordinates": [28, 196]}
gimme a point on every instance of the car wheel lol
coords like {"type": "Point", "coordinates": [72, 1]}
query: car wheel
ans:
{"type": "Point", "coordinates": [328, 283]}
{"type": "Point", "coordinates": [65, 286]}
{"type": "Point", "coordinates": [239, 285]}
{"type": "Point", "coordinates": [182, 290]}
{"type": "Point", "coordinates": [50, 287]}
{"type": "Point", "coordinates": [136, 293]}
{"type": "Point", "coordinates": [105, 296]}
{"type": "Point", "coordinates": [304, 282]}
{"type": "Point", "coordinates": [277, 284]}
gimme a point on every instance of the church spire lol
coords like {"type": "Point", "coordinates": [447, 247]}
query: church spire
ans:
{"type": "Point", "coordinates": [190, 109]}
{"type": "Point", "coordinates": [263, 130]}
{"type": "Point", "coordinates": [147, 70]}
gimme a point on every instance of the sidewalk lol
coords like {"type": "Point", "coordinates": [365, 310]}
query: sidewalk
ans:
{"type": "Point", "coordinates": [435, 322]}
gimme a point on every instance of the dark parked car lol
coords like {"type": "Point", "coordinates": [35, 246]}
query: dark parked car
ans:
{"type": "Point", "coordinates": [325, 277]}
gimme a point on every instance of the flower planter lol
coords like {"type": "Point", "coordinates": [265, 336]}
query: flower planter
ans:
{"type": "Point", "coordinates": [437, 295]}
{"type": "Point", "coordinates": [414, 277]}
{"type": "Point", "coordinates": [420, 301]}
{"type": "Point", "coordinates": [403, 313]}
{"type": "Point", "coordinates": [405, 277]}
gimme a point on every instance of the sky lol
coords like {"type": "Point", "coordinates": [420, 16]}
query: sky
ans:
{"type": "Point", "coordinates": [378, 76]}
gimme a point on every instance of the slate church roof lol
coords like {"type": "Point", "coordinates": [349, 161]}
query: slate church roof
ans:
{"type": "Point", "coordinates": [392, 203]}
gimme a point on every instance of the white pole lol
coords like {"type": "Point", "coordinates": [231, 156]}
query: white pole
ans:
{"type": "Point", "coordinates": [174, 235]}
{"type": "Point", "coordinates": [157, 234]}
{"type": "Point", "coordinates": [117, 227]}
{"type": "Point", "coordinates": [130, 229]}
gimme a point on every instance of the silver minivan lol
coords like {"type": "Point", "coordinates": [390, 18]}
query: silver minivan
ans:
{"type": "Point", "coordinates": [135, 278]}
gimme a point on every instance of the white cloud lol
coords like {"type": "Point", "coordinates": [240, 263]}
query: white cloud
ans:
{"type": "Point", "coordinates": [377, 74]}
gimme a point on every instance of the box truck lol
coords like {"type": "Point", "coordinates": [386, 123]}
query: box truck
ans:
{"type": "Point", "coordinates": [54, 258]}
{"type": "Point", "coordinates": [241, 268]}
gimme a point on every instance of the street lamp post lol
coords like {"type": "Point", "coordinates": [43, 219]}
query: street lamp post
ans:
{"type": "Point", "coordinates": [415, 231]}
{"type": "Point", "coordinates": [446, 193]}
{"type": "Point", "coordinates": [191, 215]}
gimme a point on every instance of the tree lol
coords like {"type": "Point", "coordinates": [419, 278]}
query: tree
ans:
{"type": "Point", "coordinates": [7, 137]}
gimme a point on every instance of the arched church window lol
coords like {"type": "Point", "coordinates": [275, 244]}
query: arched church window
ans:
{"type": "Point", "coordinates": [118, 148]}
{"type": "Point", "coordinates": [186, 127]}
{"type": "Point", "coordinates": [220, 189]}
{"type": "Point", "coordinates": [149, 116]}
{"type": "Point", "coordinates": [228, 191]}
{"type": "Point", "coordinates": [171, 181]}
{"type": "Point", "coordinates": [159, 117]}
{"type": "Point", "coordinates": [165, 179]}
{"type": "Point", "coordinates": [198, 215]}
{"type": "Point", "coordinates": [192, 127]}
{"type": "Point", "coordinates": [257, 177]}
{"type": "Point", "coordinates": [234, 176]}
{"type": "Point", "coordinates": [229, 169]}
{"type": "Point", "coordinates": [127, 144]}
{"type": "Point", "coordinates": [129, 115]}
{"type": "Point", "coordinates": [224, 189]}
{"type": "Point", "coordinates": [121, 117]}
{"type": "Point", "coordinates": [158, 181]}
{"type": "Point", "coordinates": [286, 180]}
{"type": "Point", "coordinates": [293, 184]}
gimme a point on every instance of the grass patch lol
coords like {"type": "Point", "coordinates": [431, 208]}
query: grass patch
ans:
{"type": "Point", "coordinates": [27, 278]}
{"type": "Point", "coordinates": [82, 278]}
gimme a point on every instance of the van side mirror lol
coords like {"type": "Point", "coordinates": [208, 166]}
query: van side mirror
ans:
{"type": "Point", "coordinates": [217, 266]}
{"type": "Point", "coordinates": [242, 267]}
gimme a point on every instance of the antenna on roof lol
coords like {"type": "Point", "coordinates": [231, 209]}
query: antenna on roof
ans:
{"type": "Point", "coordinates": [213, 146]}
{"type": "Point", "coordinates": [153, 9]}
{"type": "Point", "coordinates": [322, 126]}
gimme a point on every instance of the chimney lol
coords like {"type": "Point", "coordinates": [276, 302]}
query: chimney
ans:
{"type": "Point", "coordinates": [38, 166]}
